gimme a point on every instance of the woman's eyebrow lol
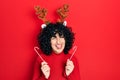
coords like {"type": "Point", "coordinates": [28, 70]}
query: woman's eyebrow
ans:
{"type": "Point", "coordinates": [61, 35]}
{"type": "Point", "coordinates": [54, 36]}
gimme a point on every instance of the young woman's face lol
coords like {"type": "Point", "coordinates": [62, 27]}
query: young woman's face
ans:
{"type": "Point", "coordinates": [58, 43]}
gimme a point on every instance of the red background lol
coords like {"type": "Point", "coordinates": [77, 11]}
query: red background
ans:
{"type": "Point", "coordinates": [95, 22]}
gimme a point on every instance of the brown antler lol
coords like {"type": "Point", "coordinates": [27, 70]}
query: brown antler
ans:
{"type": "Point", "coordinates": [41, 12]}
{"type": "Point", "coordinates": [62, 12]}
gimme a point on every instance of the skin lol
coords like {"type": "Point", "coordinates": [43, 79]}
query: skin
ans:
{"type": "Point", "coordinates": [58, 43]}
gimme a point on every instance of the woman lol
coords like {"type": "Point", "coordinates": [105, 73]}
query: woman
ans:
{"type": "Point", "coordinates": [55, 41]}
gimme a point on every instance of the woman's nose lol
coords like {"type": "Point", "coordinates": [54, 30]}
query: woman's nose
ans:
{"type": "Point", "coordinates": [58, 40]}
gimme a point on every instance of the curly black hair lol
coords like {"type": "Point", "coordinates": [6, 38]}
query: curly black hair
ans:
{"type": "Point", "coordinates": [45, 35]}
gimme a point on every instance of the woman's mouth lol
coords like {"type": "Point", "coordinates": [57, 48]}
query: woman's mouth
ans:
{"type": "Point", "coordinates": [58, 46]}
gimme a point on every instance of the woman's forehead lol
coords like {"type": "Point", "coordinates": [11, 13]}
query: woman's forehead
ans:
{"type": "Point", "coordinates": [57, 34]}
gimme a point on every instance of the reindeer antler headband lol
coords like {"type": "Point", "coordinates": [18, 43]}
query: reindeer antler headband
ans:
{"type": "Point", "coordinates": [62, 12]}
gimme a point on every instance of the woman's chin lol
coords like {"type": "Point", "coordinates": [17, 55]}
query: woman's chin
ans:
{"type": "Point", "coordinates": [58, 51]}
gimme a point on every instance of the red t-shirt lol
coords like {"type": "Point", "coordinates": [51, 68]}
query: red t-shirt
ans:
{"type": "Point", "coordinates": [57, 64]}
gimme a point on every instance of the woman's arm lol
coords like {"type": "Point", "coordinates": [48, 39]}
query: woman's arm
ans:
{"type": "Point", "coordinates": [37, 74]}
{"type": "Point", "coordinates": [75, 74]}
